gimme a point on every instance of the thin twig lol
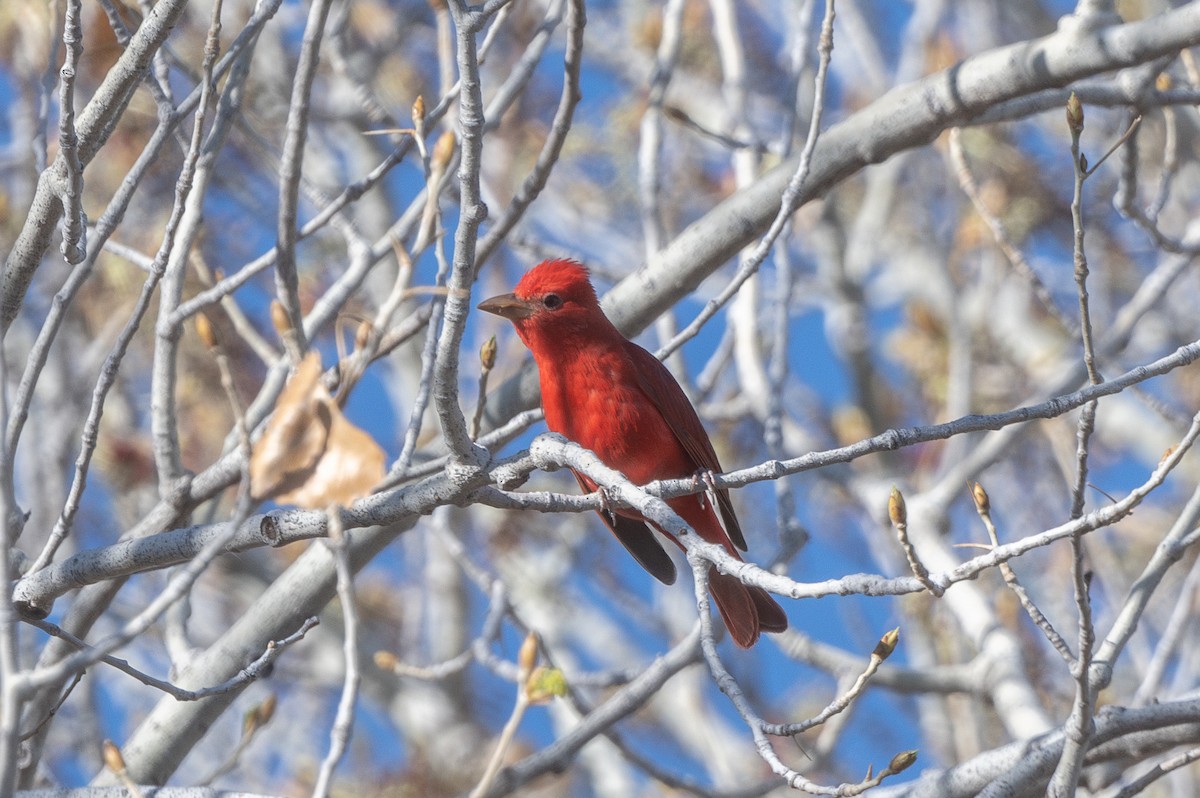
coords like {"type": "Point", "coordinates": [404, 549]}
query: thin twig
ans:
{"type": "Point", "coordinates": [429, 353]}
{"type": "Point", "coordinates": [1079, 725]}
{"type": "Point", "coordinates": [253, 721]}
{"type": "Point", "coordinates": [983, 506]}
{"type": "Point", "coordinates": [13, 693]}
{"type": "Point", "coordinates": [650, 147]}
{"type": "Point", "coordinates": [74, 244]}
{"type": "Point", "coordinates": [522, 703]}
{"type": "Point", "coordinates": [999, 230]}
{"type": "Point", "coordinates": [1178, 627]}
{"type": "Point", "coordinates": [898, 515]}
{"type": "Point", "coordinates": [339, 734]}
{"type": "Point", "coordinates": [287, 283]}
{"type": "Point", "coordinates": [170, 265]}
{"type": "Point", "coordinates": [487, 359]}
{"type": "Point", "coordinates": [254, 670]}
{"type": "Point", "coordinates": [1160, 769]}
{"type": "Point", "coordinates": [882, 651]}
{"type": "Point", "coordinates": [53, 710]}
{"type": "Point", "coordinates": [1125, 201]}
{"type": "Point", "coordinates": [472, 211]}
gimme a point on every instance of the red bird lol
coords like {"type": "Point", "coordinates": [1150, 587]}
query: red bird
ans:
{"type": "Point", "coordinates": [609, 395]}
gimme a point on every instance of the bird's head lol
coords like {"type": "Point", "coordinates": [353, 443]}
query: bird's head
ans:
{"type": "Point", "coordinates": [554, 298]}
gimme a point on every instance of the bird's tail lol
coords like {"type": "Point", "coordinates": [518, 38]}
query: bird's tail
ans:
{"type": "Point", "coordinates": [746, 610]}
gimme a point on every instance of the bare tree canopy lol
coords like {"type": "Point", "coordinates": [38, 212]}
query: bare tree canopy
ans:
{"type": "Point", "coordinates": [280, 513]}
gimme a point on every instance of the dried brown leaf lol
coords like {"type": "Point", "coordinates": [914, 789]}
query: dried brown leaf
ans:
{"type": "Point", "coordinates": [310, 454]}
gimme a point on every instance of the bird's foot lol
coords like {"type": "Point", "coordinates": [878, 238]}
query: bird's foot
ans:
{"type": "Point", "coordinates": [605, 503]}
{"type": "Point", "coordinates": [707, 479]}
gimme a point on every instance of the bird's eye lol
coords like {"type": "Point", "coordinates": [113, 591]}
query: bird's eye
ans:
{"type": "Point", "coordinates": [552, 301]}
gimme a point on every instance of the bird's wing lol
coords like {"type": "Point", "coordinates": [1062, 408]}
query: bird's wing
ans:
{"type": "Point", "coordinates": [659, 384]}
{"type": "Point", "coordinates": [638, 538]}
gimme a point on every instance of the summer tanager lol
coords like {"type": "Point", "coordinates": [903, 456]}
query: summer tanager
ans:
{"type": "Point", "coordinates": [609, 395]}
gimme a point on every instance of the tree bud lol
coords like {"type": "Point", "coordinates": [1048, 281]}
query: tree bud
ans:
{"type": "Point", "coordinates": [1074, 114]}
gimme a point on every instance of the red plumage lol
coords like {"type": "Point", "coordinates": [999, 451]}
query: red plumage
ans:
{"type": "Point", "coordinates": [612, 396]}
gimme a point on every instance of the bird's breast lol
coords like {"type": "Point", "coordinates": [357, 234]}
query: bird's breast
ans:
{"type": "Point", "coordinates": [595, 400]}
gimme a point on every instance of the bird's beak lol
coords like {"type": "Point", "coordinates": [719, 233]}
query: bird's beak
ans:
{"type": "Point", "coordinates": [510, 306]}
